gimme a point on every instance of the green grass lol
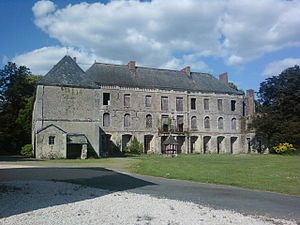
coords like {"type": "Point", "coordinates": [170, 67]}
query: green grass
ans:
{"type": "Point", "coordinates": [275, 173]}
{"type": "Point", "coordinates": [123, 164]}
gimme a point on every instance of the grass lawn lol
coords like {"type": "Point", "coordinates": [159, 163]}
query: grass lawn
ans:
{"type": "Point", "coordinates": [123, 164]}
{"type": "Point", "coordinates": [262, 172]}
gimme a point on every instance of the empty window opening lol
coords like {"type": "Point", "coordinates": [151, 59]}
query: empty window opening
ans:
{"type": "Point", "coordinates": [220, 123]}
{"type": "Point", "coordinates": [51, 140]}
{"type": "Point", "coordinates": [180, 123]}
{"type": "Point", "coordinates": [165, 122]}
{"type": "Point", "coordinates": [193, 103]}
{"type": "Point", "coordinates": [148, 100]}
{"type": "Point", "coordinates": [126, 100]}
{"type": "Point", "coordinates": [194, 122]}
{"type": "Point", "coordinates": [148, 121]}
{"type": "Point", "coordinates": [233, 102]}
{"type": "Point", "coordinates": [106, 98]}
{"type": "Point", "coordinates": [206, 144]}
{"type": "Point", "coordinates": [233, 145]}
{"type": "Point", "coordinates": [179, 104]}
{"type": "Point", "coordinates": [206, 104]}
{"type": "Point", "coordinates": [249, 145]}
{"type": "Point", "coordinates": [220, 104]}
{"type": "Point", "coordinates": [193, 143]}
{"type": "Point", "coordinates": [126, 138]}
{"type": "Point", "coordinates": [126, 120]}
{"type": "Point", "coordinates": [106, 120]}
{"type": "Point", "coordinates": [206, 122]}
{"type": "Point", "coordinates": [147, 143]}
{"type": "Point", "coordinates": [164, 103]}
{"type": "Point", "coordinates": [220, 144]}
{"type": "Point", "coordinates": [233, 124]}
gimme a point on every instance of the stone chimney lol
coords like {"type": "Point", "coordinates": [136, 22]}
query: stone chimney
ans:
{"type": "Point", "coordinates": [131, 66]}
{"type": "Point", "coordinates": [187, 70]}
{"type": "Point", "coordinates": [223, 78]}
{"type": "Point", "coordinates": [74, 59]}
{"type": "Point", "coordinates": [250, 102]}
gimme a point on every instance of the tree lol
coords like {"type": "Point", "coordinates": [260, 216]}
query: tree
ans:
{"type": "Point", "coordinates": [135, 147]}
{"type": "Point", "coordinates": [279, 102]}
{"type": "Point", "coordinates": [234, 86]}
{"type": "Point", "coordinates": [17, 87]}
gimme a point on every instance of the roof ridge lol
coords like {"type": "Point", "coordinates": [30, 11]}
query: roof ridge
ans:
{"type": "Point", "coordinates": [153, 68]}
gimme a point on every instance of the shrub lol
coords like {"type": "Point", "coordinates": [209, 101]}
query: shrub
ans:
{"type": "Point", "coordinates": [27, 150]}
{"type": "Point", "coordinates": [135, 147]}
{"type": "Point", "coordinates": [282, 148]}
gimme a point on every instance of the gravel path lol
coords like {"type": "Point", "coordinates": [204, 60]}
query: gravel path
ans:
{"type": "Point", "coordinates": [48, 202]}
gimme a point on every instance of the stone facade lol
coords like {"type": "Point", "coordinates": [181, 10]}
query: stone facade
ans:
{"type": "Point", "coordinates": [109, 116]}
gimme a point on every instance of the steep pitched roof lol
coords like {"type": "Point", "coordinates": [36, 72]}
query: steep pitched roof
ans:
{"type": "Point", "coordinates": [51, 125]}
{"type": "Point", "coordinates": [120, 75]}
{"type": "Point", "coordinates": [66, 73]}
{"type": "Point", "coordinates": [170, 141]}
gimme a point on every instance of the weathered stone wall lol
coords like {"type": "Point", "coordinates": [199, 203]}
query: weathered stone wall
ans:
{"type": "Point", "coordinates": [80, 110]}
{"type": "Point", "coordinates": [55, 150]}
{"type": "Point", "coordinates": [138, 112]}
{"type": "Point", "coordinates": [75, 110]}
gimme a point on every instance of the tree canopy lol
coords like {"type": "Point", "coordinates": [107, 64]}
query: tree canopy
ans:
{"type": "Point", "coordinates": [279, 100]}
{"type": "Point", "coordinates": [17, 86]}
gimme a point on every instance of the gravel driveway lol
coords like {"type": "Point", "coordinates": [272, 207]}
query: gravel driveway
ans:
{"type": "Point", "coordinates": [48, 202]}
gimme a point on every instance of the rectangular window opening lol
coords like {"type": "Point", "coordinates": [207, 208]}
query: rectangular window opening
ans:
{"type": "Point", "coordinates": [106, 98]}
{"type": "Point", "coordinates": [148, 101]}
{"type": "Point", "coordinates": [51, 140]}
{"type": "Point", "coordinates": [220, 104]}
{"type": "Point", "coordinates": [126, 100]}
{"type": "Point", "coordinates": [206, 104]}
{"type": "Point", "coordinates": [193, 103]}
{"type": "Point", "coordinates": [180, 123]}
{"type": "Point", "coordinates": [165, 122]}
{"type": "Point", "coordinates": [179, 104]}
{"type": "Point", "coordinates": [164, 103]}
{"type": "Point", "coordinates": [233, 102]}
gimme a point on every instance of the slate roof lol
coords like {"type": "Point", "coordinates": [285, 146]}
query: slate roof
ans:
{"type": "Point", "coordinates": [120, 75]}
{"type": "Point", "coordinates": [76, 139]}
{"type": "Point", "coordinates": [51, 125]}
{"type": "Point", "coordinates": [66, 73]}
{"type": "Point", "coordinates": [170, 141]}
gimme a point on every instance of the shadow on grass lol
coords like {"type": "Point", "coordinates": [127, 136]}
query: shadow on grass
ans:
{"type": "Point", "coordinates": [15, 158]}
{"type": "Point", "coordinates": [15, 199]}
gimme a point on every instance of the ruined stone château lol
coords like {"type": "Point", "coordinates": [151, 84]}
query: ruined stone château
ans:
{"type": "Point", "coordinates": [78, 114]}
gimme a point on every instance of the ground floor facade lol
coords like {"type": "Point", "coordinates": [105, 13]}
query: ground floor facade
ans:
{"type": "Point", "coordinates": [65, 140]}
{"type": "Point", "coordinates": [203, 143]}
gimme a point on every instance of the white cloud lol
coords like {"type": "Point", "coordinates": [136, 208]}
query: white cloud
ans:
{"type": "Point", "coordinates": [276, 67]}
{"type": "Point", "coordinates": [40, 61]}
{"type": "Point", "coordinates": [191, 60]}
{"type": "Point", "coordinates": [42, 8]}
{"type": "Point", "coordinates": [160, 33]}
{"type": "Point", "coordinates": [232, 60]}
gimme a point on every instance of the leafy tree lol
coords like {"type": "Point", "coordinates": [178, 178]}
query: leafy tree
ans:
{"type": "Point", "coordinates": [17, 87]}
{"type": "Point", "coordinates": [135, 147]}
{"type": "Point", "coordinates": [279, 103]}
{"type": "Point", "coordinates": [233, 86]}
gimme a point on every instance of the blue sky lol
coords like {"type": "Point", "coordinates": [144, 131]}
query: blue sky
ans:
{"type": "Point", "coordinates": [251, 40]}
